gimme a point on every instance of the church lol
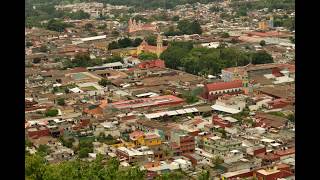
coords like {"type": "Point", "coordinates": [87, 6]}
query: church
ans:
{"type": "Point", "coordinates": [239, 85]}
{"type": "Point", "coordinates": [134, 26]}
{"type": "Point", "coordinates": [145, 47]}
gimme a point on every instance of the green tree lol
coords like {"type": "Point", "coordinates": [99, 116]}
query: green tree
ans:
{"type": "Point", "coordinates": [51, 112]}
{"type": "Point", "coordinates": [29, 43]}
{"type": "Point", "coordinates": [104, 82]}
{"type": "Point", "coordinates": [189, 27]}
{"type": "Point", "coordinates": [57, 25]}
{"type": "Point", "coordinates": [79, 15]}
{"type": "Point", "coordinates": [125, 42]}
{"type": "Point", "coordinates": [261, 57]}
{"type": "Point", "coordinates": [61, 101]}
{"type": "Point", "coordinates": [115, 33]}
{"type": "Point", "coordinates": [291, 117]}
{"type": "Point", "coordinates": [83, 152]}
{"type": "Point", "coordinates": [36, 60]}
{"type": "Point", "coordinates": [147, 56]}
{"type": "Point", "coordinates": [136, 42]}
{"type": "Point", "coordinates": [88, 26]}
{"type": "Point", "coordinates": [35, 166]}
{"type": "Point", "coordinates": [82, 60]}
{"type": "Point", "coordinates": [217, 160]}
{"type": "Point", "coordinates": [190, 98]}
{"type": "Point", "coordinates": [113, 45]}
{"type": "Point", "coordinates": [215, 9]}
{"type": "Point", "coordinates": [152, 40]}
{"type": "Point", "coordinates": [225, 35]}
{"type": "Point", "coordinates": [292, 39]}
{"type": "Point", "coordinates": [43, 150]}
{"type": "Point", "coordinates": [114, 59]}
{"type": "Point", "coordinates": [175, 18]}
{"type": "Point", "coordinates": [43, 48]}
{"type": "Point", "coordinates": [262, 43]}
{"type": "Point", "coordinates": [204, 175]}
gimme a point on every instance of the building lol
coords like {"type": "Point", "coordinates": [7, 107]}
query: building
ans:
{"type": "Point", "coordinates": [272, 173]}
{"type": "Point", "coordinates": [145, 139]}
{"type": "Point", "coordinates": [167, 100]}
{"type": "Point", "coordinates": [213, 90]}
{"type": "Point", "coordinates": [145, 47]}
{"type": "Point", "coordinates": [134, 26]}
{"type": "Point", "coordinates": [182, 143]}
{"type": "Point", "coordinates": [263, 25]}
{"type": "Point", "coordinates": [218, 146]}
{"type": "Point", "coordinates": [157, 63]}
{"type": "Point", "coordinates": [134, 155]}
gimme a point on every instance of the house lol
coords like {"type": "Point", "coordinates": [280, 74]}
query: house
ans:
{"type": "Point", "coordinates": [182, 143]}
{"type": "Point", "coordinates": [133, 155]}
{"type": "Point", "coordinates": [213, 90]}
{"type": "Point", "coordinates": [157, 63]}
{"type": "Point", "coordinates": [270, 121]}
{"type": "Point", "coordinates": [37, 132]}
{"type": "Point", "coordinates": [272, 173]}
{"type": "Point", "coordinates": [145, 139]}
{"type": "Point", "coordinates": [230, 104]}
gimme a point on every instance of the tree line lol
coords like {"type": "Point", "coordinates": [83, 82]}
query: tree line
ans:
{"type": "Point", "coordinates": [185, 27]}
{"type": "Point", "coordinates": [204, 61]}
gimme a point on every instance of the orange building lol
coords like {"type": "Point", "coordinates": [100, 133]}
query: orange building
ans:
{"type": "Point", "coordinates": [145, 47]}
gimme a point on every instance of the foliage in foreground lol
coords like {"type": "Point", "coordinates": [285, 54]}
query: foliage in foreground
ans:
{"type": "Point", "coordinates": [37, 168]}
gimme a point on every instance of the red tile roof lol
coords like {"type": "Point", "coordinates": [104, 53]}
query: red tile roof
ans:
{"type": "Point", "coordinates": [285, 152]}
{"type": "Point", "coordinates": [224, 85]}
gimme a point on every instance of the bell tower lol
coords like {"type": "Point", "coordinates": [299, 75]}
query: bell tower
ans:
{"type": "Point", "coordinates": [159, 44]}
{"type": "Point", "coordinates": [245, 82]}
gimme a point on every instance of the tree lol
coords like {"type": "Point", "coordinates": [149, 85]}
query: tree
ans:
{"type": "Point", "coordinates": [113, 45]}
{"type": "Point", "coordinates": [152, 40]}
{"type": "Point", "coordinates": [136, 42]}
{"type": "Point", "coordinates": [291, 117]}
{"type": "Point", "coordinates": [57, 25]}
{"type": "Point", "coordinates": [175, 18]}
{"type": "Point", "coordinates": [79, 15]}
{"type": "Point", "coordinates": [43, 150]}
{"type": "Point", "coordinates": [52, 113]}
{"type": "Point", "coordinates": [115, 33]}
{"type": "Point", "coordinates": [187, 27]}
{"type": "Point", "coordinates": [125, 42]}
{"type": "Point", "coordinates": [104, 82]}
{"type": "Point", "coordinates": [217, 160]}
{"type": "Point", "coordinates": [215, 9]}
{"type": "Point", "coordinates": [61, 101]}
{"type": "Point", "coordinates": [83, 152]}
{"type": "Point", "coordinates": [81, 60]}
{"type": "Point", "coordinates": [204, 175]}
{"type": "Point", "coordinates": [262, 43]}
{"type": "Point", "coordinates": [35, 166]}
{"type": "Point", "coordinates": [147, 56]}
{"type": "Point", "coordinates": [88, 26]}
{"type": "Point", "coordinates": [36, 60]}
{"type": "Point", "coordinates": [43, 48]}
{"type": "Point", "coordinates": [114, 59]}
{"type": "Point", "coordinates": [225, 35]}
{"type": "Point", "coordinates": [29, 43]}
{"type": "Point", "coordinates": [292, 39]}
{"type": "Point", "coordinates": [261, 57]}
{"type": "Point", "coordinates": [190, 98]}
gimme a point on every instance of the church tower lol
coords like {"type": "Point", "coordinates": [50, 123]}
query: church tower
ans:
{"type": "Point", "coordinates": [235, 74]}
{"type": "Point", "coordinates": [245, 82]}
{"type": "Point", "coordinates": [159, 45]}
